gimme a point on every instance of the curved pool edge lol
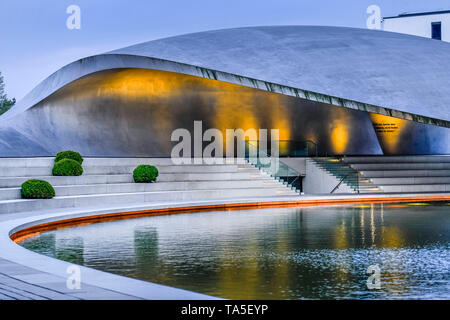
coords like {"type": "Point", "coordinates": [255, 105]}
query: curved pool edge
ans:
{"type": "Point", "coordinates": [138, 289]}
{"type": "Point", "coordinates": [56, 270]}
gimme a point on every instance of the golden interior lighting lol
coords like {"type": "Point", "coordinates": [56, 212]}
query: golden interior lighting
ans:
{"type": "Point", "coordinates": [339, 138]}
{"type": "Point", "coordinates": [388, 130]}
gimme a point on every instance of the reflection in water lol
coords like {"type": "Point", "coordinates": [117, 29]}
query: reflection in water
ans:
{"type": "Point", "coordinates": [286, 253]}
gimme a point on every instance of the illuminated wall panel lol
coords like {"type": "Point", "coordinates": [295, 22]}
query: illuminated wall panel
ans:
{"type": "Point", "coordinates": [398, 136]}
{"type": "Point", "coordinates": [132, 112]}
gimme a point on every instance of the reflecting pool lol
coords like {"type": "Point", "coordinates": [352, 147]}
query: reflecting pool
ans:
{"type": "Point", "coordinates": [284, 253]}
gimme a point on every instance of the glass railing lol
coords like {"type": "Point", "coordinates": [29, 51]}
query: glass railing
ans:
{"type": "Point", "coordinates": [293, 148]}
{"type": "Point", "coordinates": [342, 171]}
{"type": "Point", "coordinates": [272, 165]}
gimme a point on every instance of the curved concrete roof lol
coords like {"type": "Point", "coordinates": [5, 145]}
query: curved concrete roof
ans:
{"type": "Point", "coordinates": [362, 69]}
{"type": "Point", "coordinates": [392, 70]}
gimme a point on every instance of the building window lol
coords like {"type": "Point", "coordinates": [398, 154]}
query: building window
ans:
{"type": "Point", "coordinates": [436, 32]}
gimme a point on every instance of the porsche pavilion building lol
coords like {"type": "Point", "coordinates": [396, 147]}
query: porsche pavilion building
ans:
{"type": "Point", "coordinates": [347, 91]}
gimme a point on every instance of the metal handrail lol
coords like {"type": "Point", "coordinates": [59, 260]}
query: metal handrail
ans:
{"type": "Point", "coordinates": [340, 170]}
{"type": "Point", "coordinates": [339, 184]}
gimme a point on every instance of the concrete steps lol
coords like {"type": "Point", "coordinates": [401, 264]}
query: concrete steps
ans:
{"type": "Point", "coordinates": [108, 170]}
{"type": "Point", "coordinates": [417, 188]}
{"type": "Point", "coordinates": [346, 174]}
{"type": "Point", "coordinates": [90, 162]}
{"type": "Point", "coordinates": [411, 180]}
{"type": "Point", "coordinates": [109, 180]}
{"type": "Point", "coordinates": [401, 166]}
{"type": "Point", "coordinates": [10, 206]}
{"type": "Point", "coordinates": [7, 182]}
{"type": "Point", "coordinates": [10, 182]}
{"type": "Point", "coordinates": [88, 189]}
{"type": "Point", "coordinates": [396, 159]}
{"type": "Point", "coordinates": [405, 173]}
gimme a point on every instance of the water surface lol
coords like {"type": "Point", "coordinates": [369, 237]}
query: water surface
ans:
{"type": "Point", "coordinates": [286, 253]}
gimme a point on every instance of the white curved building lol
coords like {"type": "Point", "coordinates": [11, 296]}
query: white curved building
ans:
{"type": "Point", "coordinates": [349, 91]}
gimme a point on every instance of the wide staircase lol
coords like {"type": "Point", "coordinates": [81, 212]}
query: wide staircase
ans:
{"type": "Point", "coordinates": [346, 174]}
{"type": "Point", "coordinates": [404, 174]}
{"type": "Point", "coordinates": [109, 181]}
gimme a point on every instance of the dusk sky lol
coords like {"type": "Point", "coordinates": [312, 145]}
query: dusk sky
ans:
{"type": "Point", "coordinates": [36, 41]}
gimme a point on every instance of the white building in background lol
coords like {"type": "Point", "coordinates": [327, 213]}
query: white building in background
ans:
{"type": "Point", "coordinates": [435, 25]}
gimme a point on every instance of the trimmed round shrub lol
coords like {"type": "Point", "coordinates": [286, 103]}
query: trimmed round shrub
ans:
{"type": "Point", "coordinates": [69, 155]}
{"type": "Point", "coordinates": [67, 167]}
{"type": "Point", "coordinates": [145, 173]}
{"type": "Point", "coordinates": [37, 189]}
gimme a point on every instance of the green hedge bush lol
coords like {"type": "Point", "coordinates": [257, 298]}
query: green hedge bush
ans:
{"type": "Point", "coordinates": [67, 167]}
{"type": "Point", "coordinates": [69, 155]}
{"type": "Point", "coordinates": [37, 189]}
{"type": "Point", "coordinates": [145, 173]}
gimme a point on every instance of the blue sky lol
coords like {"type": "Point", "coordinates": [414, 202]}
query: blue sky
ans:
{"type": "Point", "coordinates": [36, 41]}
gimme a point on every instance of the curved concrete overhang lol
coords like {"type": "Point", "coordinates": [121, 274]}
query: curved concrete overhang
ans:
{"type": "Point", "coordinates": [93, 64]}
{"type": "Point", "coordinates": [392, 70]}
